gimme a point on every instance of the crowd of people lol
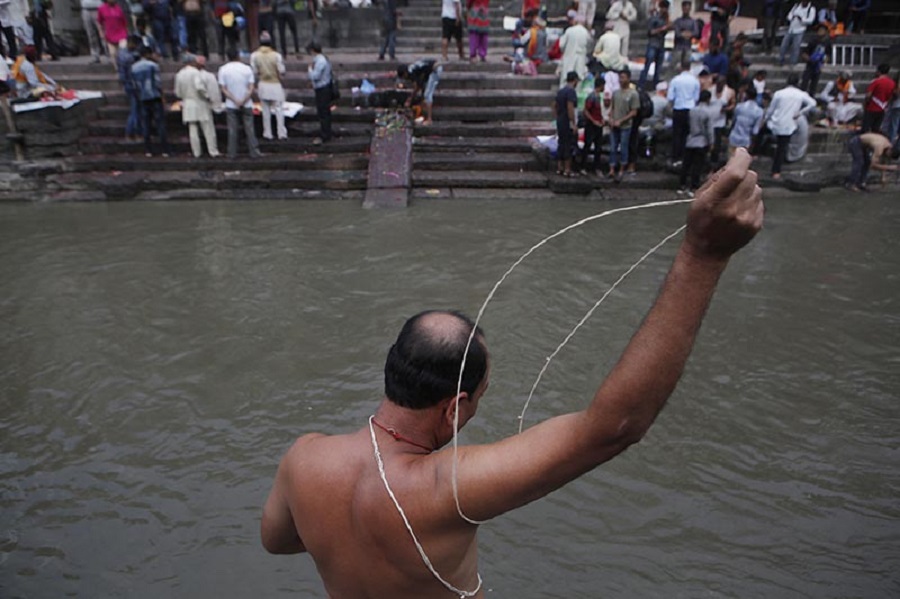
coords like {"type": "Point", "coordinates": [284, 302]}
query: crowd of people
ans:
{"type": "Point", "coordinates": [711, 99]}
{"type": "Point", "coordinates": [203, 95]}
{"type": "Point", "coordinates": [170, 27]}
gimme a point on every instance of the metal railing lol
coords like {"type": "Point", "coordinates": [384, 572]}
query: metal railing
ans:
{"type": "Point", "coordinates": [854, 55]}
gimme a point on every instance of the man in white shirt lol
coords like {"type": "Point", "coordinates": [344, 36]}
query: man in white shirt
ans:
{"type": "Point", "coordinates": [238, 83]}
{"type": "Point", "coordinates": [683, 93]}
{"type": "Point", "coordinates": [802, 15]}
{"type": "Point", "coordinates": [451, 26]}
{"type": "Point", "coordinates": [787, 106]}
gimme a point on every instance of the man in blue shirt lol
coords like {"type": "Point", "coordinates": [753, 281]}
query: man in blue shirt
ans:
{"type": "Point", "coordinates": [320, 76]}
{"type": "Point", "coordinates": [716, 62]}
{"type": "Point", "coordinates": [145, 74]}
{"type": "Point", "coordinates": [684, 91]}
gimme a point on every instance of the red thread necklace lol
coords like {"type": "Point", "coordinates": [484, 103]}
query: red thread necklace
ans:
{"type": "Point", "coordinates": [398, 437]}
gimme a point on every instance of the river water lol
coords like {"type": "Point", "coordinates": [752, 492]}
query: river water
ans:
{"type": "Point", "coordinates": [157, 359]}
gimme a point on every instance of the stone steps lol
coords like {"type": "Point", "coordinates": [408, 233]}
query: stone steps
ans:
{"type": "Point", "coordinates": [129, 184]}
{"type": "Point", "coordinates": [114, 128]}
{"type": "Point", "coordinates": [479, 179]}
{"type": "Point", "coordinates": [111, 146]}
{"type": "Point", "coordinates": [474, 162]}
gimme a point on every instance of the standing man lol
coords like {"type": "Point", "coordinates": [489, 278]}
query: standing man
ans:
{"type": "Point", "coordinates": [196, 112]}
{"type": "Point", "coordinates": [684, 92]}
{"type": "Point", "coordinates": [817, 52]}
{"type": "Point", "coordinates": [425, 74]}
{"type": "Point", "coordinates": [195, 25]}
{"type": "Point", "coordinates": [787, 106]}
{"type": "Point", "coordinates": [747, 121]}
{"type": "Point", "coordinates": [857, 11]}
{"type": "Point", "coordinates": [149, 85]}
{"type": "Point", "coordinates": [620, 14]}
{"type": "Point", "coordinates": [657, 26]}
{"type": "Point", "coordinates": [686, 31]}
{"type": "Point", "coordinates": [593, 126]}
{"type": "Point", "coordinates": [332, 494]}
{"type": "Point", "coordinates": [320, 76]}
{"type": "Point", "coordinates": [574, 45]}
{"type": "Point", "coordinates": [863, 147]}
{"type": "Point", "coordinates": [268, 67]}
{"type": "Point", "coordinates": [9, 31]}
{"type": "Point", "coordinates": [802, 15]}
{"type": "Point", "coordinates": [124, 62]}
{"type": "Point", "coordinates": [451, 27]}
{"type": "Point", "coordinates": [566, 124]}
{"type": "Point", "coordinates": [625, 106]}
{"type": "Point", "coordinates": [160, 14]}
{"type": "Point", "coordinates": [771, 17]}
{"type": "Point", "coordinates": [285, 17]}
{"type": "Point", "coordinates": [237, 83]}
{"type": "Point", "coordinates": [722, 101]}
{"type": "Point", "coordinates": [389, 28]}
{"type": "Point", "coordinates": [878, 97]}
{"type": "Point", "coordinates": [721, 12]}
{"type": "Point", "coordinates": [91, 27]}
{"type": "Point", "coordinates": [698, 143]}
{"type": "Point", "coordinates": [43, 32]}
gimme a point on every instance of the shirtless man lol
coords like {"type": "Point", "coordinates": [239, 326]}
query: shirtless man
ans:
{"type": "Point", "coordinates": [864, 148]}
{"type": "Point", "coordinates": [330, 499]}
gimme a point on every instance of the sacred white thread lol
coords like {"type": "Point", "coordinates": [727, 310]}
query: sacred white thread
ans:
{"type": "Point", "coordinates": [462, 594]}
{"type": "Point", "coordinates": [587, 315]}
{"type": "Point", "coordinates": [462, 367]}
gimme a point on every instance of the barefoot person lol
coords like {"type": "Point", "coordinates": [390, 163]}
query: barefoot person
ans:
{"type": "Point", "coordinates": [357, 501]}
{"type": "Point", "coordinates": [425, 74]}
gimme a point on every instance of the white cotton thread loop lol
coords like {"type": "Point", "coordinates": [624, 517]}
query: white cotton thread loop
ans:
{"type": "Point", "coordinates": [462, 593]}
{"type": "Point", "coordinates": [587, 315]}
{"type": "Point", "coordinates": [454, 473]}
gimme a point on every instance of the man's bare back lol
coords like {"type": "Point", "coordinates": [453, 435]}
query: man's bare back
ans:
{"type": "Point", "coordinates": [352, 529]}
{"type": "Point", "coordinates": [330, 493]}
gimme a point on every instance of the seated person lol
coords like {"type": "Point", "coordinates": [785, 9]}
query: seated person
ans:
{"type": "Point", "coordinates": [535, 42]}
{"type": "Point", "coordinates": [607, 51]}
{"type": "Point", "coordinates": [30, 81]}
{"type": "Point", "coordinates": [837, 99]}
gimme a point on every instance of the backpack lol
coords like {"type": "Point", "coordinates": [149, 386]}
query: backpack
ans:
{"type": "Point", "coordinates": [646, 109]}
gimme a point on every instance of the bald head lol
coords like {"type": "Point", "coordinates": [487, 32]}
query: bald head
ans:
{"type": "Point", "coordinates": [422, 366]}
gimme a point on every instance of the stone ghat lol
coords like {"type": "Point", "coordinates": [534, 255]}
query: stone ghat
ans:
{"type": "Point", "coordinates": [482, 142]}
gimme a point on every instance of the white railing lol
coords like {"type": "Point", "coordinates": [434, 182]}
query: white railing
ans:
{"type": "Point", "coordinates": [854, 55]}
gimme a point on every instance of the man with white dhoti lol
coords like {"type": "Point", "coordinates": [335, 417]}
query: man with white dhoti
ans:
{"type": "Point", "coordinates": [620, 14]}
{"type": "Point", "coordinates": [196, 111]}
{"type": "Point", "coordinates": [836, 96]}
{"type": "Point", "coordinates": [574, 45]}
{"type": "Point", "coordinates": [268, 67]}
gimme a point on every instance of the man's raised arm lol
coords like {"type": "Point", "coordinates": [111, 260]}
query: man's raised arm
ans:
{"type": "Point", "coordinates": [726, 214]}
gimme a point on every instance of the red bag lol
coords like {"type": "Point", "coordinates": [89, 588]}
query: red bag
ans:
{"type": "Point", "coordinates": [555, 53]}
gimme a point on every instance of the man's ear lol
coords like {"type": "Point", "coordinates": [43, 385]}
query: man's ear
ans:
{"type": "Point", "coordinates": [449, 411]}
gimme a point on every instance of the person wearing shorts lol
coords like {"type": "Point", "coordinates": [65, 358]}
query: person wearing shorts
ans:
{"type": "Point", "coordinates": [425, 75]}
{"type": "Point", "coordinates": [451, 26]}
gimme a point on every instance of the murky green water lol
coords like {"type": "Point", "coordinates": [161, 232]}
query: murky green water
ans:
{"type": "Point", "coordinates": [158, 359]}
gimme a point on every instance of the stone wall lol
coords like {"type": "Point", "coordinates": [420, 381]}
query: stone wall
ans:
{"type": "Point", "coordinates": [52, 132]}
